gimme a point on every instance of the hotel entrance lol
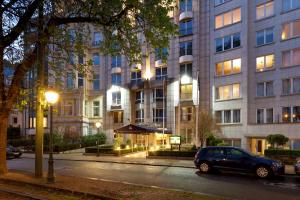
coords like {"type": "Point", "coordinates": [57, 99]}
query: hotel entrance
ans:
{"type": "Point", "coordinates": [258, 145]}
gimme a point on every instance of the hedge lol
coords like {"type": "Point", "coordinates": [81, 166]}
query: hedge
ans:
{"type": "Point", "coordinates": [282, 152]}
{"type": "Point", "coordinates": [173, 153]}
{"type": "Point", "coordinates": [109, 150]}
{"type": "Point", "coordinates": [285, 156]}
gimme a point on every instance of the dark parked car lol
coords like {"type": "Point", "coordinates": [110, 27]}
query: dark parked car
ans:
{"type": "Point", "coordinates": [297, 167]}
{"type": "Point", "coordinates": [236, 159]}
{"type": "Point", "coordinates": [15, 151]}
{"type": "Point", "coordinates": [9, 154]}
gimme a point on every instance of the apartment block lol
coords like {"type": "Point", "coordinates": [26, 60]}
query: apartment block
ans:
{"type": "Point", "coordinates": [238, 59]}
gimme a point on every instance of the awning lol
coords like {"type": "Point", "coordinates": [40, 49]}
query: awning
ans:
{"type": "Point", "coordinates": [138, 129]}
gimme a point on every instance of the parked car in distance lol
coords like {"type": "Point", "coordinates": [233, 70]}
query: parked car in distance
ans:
{"type": "Point", "coordinates": [236, 160]}
{"type": "Point", "coordinates": [297, 167]}
{"type": "Point", "coordinates": [9, 154]}
{"type": "Point", "coordinates": [15, 151]}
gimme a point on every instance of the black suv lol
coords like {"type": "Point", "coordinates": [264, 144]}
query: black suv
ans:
{"type": "Point", "coordinates": [236, 159]}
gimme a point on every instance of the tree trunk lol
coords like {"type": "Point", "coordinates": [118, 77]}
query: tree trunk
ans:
{"type": "Point", "coordinates": [3, 138]}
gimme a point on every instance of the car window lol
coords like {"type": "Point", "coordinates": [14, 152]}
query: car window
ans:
{"type": "Point", "coordinates": [218, 152]}
{"type": "Point", "coordinates": [235, 153]}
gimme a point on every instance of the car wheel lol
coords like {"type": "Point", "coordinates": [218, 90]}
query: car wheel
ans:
{"type": "Point", "coordinates": [262, 172]}
{"type": "Point", "coordinates": [204, 167]}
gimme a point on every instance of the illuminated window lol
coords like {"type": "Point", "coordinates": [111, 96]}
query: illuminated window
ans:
{"type": "Point", "coordinates": [228, 18]}
{"type": "Point", "coordinates": [265, 10]}
{"type": "Point", "coordinates": [264, 62]}
{"type": "Point", "coordinates": [291, 57]}
{"type": "Point", "coordinates": [228, 67]}
{"type": "Point", "coordinates": [290, 30]}
{"type": "Point", "coordinates": [186, 92]}
{"type": "Point", "coordinates": [228, 92]}
{"type": "Point", "coordinates": [118, 117]}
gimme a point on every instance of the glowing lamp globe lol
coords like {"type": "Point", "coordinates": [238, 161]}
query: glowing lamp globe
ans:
{"type": "Point", "coordinates": [98, 124]}
{"type": "Point", "coordinates": [51, 97]}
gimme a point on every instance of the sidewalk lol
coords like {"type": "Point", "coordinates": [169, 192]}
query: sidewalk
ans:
{"type": "Point", "coordinates": [289, 169]}
{"type": "Point", "coordinates": [95, 189]}
{"type": "Point", "coordinates": [121, 160]}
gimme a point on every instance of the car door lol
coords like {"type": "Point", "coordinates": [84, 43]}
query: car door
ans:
{"type": "Point", "coordinates": [217, 157]}
{"type": "Point", "coordinates": [237, 160]}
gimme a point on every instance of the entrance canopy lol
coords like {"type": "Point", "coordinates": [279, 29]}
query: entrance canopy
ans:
{"type": "Point", "coordinates": [138, 129]}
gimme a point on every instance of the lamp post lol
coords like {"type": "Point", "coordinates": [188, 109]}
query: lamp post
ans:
{"type": "Point", "coordinates": [51, 98]}
{"type": "Point", "coordinates": [98, 125]}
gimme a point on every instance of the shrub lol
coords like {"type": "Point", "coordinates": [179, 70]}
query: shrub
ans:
{"type": "Point", "coordinates": [277, 139]}
{"type": "Point", "coordinates": [90, 140]}
{"type": "Point", "coordinates": [213, 141]}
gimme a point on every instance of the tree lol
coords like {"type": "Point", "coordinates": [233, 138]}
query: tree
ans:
{"type": "Point", "coordinates": [207, 126]}
{"type": "Point", "coordinates": [123, 23]}
{"type": "Point", "coordinates": [277, 139]}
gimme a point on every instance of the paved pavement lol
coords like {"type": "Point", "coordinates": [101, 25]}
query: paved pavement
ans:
{"type": "Point", "coordinates": [242, 187]}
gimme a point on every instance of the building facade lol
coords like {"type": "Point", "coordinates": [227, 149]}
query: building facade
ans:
{"type": "Point", "coordinates": [238, 59]}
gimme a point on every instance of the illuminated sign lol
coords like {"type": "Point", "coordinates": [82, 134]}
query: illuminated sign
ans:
{"type": "Point", "coordinates": [175, 140]}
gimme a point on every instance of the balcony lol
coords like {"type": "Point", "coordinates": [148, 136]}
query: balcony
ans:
{"type": "Point", "coordinates": [185, 15]}
{"type": "Point", "coordinates": [116, 70]}
{"type": "Point", "coordinates": [185, 59]}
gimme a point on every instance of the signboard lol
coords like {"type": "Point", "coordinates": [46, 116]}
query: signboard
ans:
{"type": "Point", "coordinates": [175, 140]}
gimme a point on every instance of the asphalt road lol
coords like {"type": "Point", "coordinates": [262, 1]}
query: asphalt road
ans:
{"type": "Point", "coordinates": [241, 187]}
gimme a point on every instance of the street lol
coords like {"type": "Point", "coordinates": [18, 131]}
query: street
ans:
{"type": "Point", "coordinates": [226, 185]}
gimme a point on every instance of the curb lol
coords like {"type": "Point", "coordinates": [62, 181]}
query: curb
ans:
{"type": "Point", "coordinates": [66, 191]}
{"type": "Point", "coordinates": [118, 162]}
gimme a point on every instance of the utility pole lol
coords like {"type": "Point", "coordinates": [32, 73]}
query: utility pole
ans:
{"type": "Point", "coordinates": [39, 130]}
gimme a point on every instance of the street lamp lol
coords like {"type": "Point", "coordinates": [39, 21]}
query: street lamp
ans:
{"type": "Point", "coordinates": [98, 125]}
{"type": "Point", "coordinates": [51, 98]}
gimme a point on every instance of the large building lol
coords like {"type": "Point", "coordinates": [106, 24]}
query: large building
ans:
{"type": "Point", "coordinates": [238, 59]}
